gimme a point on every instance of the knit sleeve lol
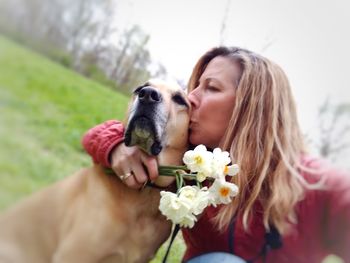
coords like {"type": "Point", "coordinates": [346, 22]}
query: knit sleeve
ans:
{"type": "Point", "coordinates": [100, 140]}
{"type": "Point", "coordinates": [337, 234]}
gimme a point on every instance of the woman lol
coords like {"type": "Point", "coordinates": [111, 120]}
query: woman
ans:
{"type": "Point", "coordinates": [291, 208]}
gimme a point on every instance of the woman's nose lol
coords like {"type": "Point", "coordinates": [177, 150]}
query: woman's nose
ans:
{"type": "Point", "coordinates": [193, 98]}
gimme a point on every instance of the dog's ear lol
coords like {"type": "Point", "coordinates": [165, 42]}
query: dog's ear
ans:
{"type": "Point", "coordinates": [136, 90]}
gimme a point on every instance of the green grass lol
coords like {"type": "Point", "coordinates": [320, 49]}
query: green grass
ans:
{"type": "Point", "coordinates": [44, 111]}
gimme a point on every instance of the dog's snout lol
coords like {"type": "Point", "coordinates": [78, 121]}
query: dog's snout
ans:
{"type": "Point", "coordinates": [149, 95]}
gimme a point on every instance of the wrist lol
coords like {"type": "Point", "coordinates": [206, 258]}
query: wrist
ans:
{"type": "Point", "coordinates": [107, 160]}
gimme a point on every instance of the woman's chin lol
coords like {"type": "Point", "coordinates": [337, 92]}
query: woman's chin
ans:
{"type": "Point", "coordinates": [195, 139]}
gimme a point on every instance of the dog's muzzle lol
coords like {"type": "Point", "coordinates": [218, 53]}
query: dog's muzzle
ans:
{"type": "Point", "coordinates": [147, 121]}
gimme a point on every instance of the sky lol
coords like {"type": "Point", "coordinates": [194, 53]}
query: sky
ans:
{"type": "Point", "coordinates": [309, 39]}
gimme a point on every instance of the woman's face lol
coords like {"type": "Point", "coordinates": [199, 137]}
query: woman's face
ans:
{"type": "Point", "coordinates": [213, 101]}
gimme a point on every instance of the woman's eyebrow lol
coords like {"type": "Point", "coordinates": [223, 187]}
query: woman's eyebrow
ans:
{"type": "Point", "coordinates": [214, 80]}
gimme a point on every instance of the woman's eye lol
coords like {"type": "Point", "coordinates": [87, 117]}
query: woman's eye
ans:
{"type": "Point", "coordinates": [212, 88]}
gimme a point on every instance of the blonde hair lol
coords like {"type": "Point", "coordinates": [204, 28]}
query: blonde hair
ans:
{"type": "Point", "coordinates": [264, 138]}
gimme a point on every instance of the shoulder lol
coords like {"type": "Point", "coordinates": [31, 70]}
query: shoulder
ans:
{"type": "Point", "coordinates": [329, 181]}
{"type": "Point", "coordinates": [318, 168]}
{"type": "Point", "coordinates": [325, 211]}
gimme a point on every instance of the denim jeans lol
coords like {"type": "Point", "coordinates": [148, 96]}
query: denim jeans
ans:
{"type": "Point", "coordinates": [216, 257]}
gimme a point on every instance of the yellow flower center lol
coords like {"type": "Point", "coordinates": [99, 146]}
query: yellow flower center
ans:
{"type": "Point", "coordinates": [198, 159]}
{"type": "Point", "coordinates": [224, 191]}
{"type": "Point", "coordinates": [226, 169]}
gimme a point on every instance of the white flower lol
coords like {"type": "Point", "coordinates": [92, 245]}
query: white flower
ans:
{"type": "Point", "coordinates": [188, 221]}
{"type": "Point", "coordinates": [174, 208]}
{"type": "Point", "coordinates": [201, 201]}
{"type": "Point", "coordinates": [199, 198]}
{"type": "Point", "coordinates": [198, 160]}
{"type": "Point", "coordinates": [221, 192]}
{"type": "Point", "coordinates": [201, 176]}
{"type": "Point", "coordinates": [190, 201]}
{"type": "Point", "coordinates": [188, 192]}
{"type": "Point", "coordinates": [219, 163]}
{"type": "Point", "coordinates": [181, 209]}
{"type": "Point", "coordinates": [231, 170]}
{"type": "Point", "coordinates": [221, 157]}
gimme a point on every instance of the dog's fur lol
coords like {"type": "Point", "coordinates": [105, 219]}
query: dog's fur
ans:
{"type": "Point", "coordinates": [93, 217]}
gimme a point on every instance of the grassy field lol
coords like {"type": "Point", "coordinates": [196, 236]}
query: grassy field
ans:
{"type": "Point", "coordinates": [44, 111]}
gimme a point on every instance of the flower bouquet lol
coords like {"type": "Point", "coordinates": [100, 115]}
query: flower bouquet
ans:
{"type": "Point", "coordinates": [189, 201]}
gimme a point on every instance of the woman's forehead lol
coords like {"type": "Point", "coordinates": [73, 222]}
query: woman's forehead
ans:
{"type": "Point", "coordinates": [221, 69]}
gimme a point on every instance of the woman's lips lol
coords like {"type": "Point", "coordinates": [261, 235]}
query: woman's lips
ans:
{"type": "Point", "coordinates": [192, 120]}
{"type": "Point", "coordinates": [192, 124]}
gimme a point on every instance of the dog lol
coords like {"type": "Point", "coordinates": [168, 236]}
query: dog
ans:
{"type": "Point", "coordinates": [93, 216]}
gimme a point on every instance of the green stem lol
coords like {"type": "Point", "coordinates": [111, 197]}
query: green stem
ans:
{"type": "Point", "coordinates": [177, 171]}
{"type": "Point", "coordinates": [177, 182]}
{"type": "Point", "coordinates": [167, 174]}
{"type": "Point", "coordinates": [181, 179]}
{"type": "Point", "coordinates": [173, 167]}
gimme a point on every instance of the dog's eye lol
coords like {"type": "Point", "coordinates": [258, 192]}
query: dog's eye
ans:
{"type": "Point", "coordinates": [138, 89]}
{"type": "Point", "coordinates": [177, 98]}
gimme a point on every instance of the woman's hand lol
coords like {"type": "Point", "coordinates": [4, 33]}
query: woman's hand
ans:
{"type": "Point", "coordinates": [133, 166]}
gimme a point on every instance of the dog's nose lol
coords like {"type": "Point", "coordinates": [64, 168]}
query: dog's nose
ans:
{"type": "Point", "coordinates": [149, 95]}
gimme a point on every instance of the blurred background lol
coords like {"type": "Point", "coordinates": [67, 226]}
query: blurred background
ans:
{"type": "Point", "coordinates": [66, 66]}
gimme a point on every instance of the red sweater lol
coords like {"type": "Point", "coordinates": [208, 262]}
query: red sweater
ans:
{"type": "Point", "coordinates": [323, 215]}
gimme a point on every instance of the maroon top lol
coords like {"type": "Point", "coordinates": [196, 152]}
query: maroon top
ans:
{"type": "Point", "coordinates": [100, 140]}
{"type": "Point", "coordinates": [323, 215]}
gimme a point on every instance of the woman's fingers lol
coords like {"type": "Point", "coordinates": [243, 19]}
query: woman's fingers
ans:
{"type": "Point", "coordinates": [151, 165]}
{"type": "Point", "coordinates": [133, 166]}
{"type": "Point", "coordinates": [132, 182]}
{"type": "Point", "coordinates": [139, 172]}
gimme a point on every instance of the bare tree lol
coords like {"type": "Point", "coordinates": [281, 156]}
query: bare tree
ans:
{"type": "Point", "coordinates": [334, 128]}
{"type": "Point", "coordinates": [224, 22]}
{"type": "Point", "coordinates": [81, 34]}
{"type": "Point", "coordinates": [125, 44]}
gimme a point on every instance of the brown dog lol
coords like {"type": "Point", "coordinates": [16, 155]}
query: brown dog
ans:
{"type": "Point", "coordinates": [93, 217]}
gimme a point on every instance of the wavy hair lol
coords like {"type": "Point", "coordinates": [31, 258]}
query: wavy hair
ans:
{"type": "Point", "coordinates": [263, 137]}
